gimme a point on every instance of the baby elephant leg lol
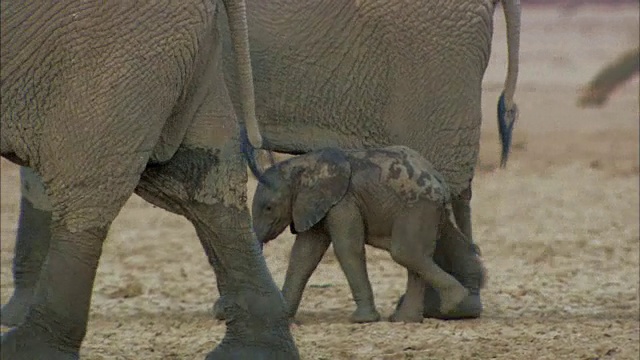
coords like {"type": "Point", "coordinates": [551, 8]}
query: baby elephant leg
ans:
{"type": "Point", "coordinates": [306, 254]}
{"type": "Point", "coordinates": [413, 244]}
{"type": "Point", "coordinates": [346, 229]}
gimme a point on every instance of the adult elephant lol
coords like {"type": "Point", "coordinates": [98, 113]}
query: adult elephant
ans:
{"type": "Point", "coordinates": [353, 73]}
{"type": "Point", "coordinates": [370, 73]}
{"type": "Point", "coordinates": [102, 99]}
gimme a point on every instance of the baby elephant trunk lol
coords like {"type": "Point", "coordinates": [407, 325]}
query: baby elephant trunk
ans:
{"type": "Point", "coordinates": [458, 254]}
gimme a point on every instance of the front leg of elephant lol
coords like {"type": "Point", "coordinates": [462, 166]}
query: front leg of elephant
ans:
{"type": "Point", "coordinates": [32, 244]}
{"type": "Point", "coordinates": [254, 308]}
{"type": "Point", "coordinates": [208, 187]}
{"type": "Point", "coordinates": [307, 251]}
{"type": "Point", "coordinates": [347, 231]}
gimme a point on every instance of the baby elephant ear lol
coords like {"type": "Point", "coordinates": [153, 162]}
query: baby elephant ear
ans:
{"type": "Point", "coordinates": [323, 182]}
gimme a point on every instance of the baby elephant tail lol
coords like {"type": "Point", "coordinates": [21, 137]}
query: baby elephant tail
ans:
{"type": "Point", "coordinates": [463, 253]}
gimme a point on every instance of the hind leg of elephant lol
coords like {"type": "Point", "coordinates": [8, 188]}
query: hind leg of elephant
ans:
{"type": "Point", "coordinates": [413, 244]}
{"type": "Point", "coordinates": [32, 244]}
{"type": "Point", "coordinates": [471, 306]}
{"type": "Point", "coordinates": [208, 187]}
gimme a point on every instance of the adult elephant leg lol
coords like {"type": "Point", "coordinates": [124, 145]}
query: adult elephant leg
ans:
{"type": "Point", "coordinates": [32, 244]}
{"type": "Point", "coordinates": [254, 309]}
{"type": "Point", "coordinates": [219, 304]}
{"type": "Point", "coordinates": [208, 187]}
{"type": "Point", "coordinates": [85, 196]}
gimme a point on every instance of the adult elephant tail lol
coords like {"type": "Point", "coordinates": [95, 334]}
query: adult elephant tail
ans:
{"type": "Point", "coordinates": [249, 153]}
{"type": "Point", "coordinates": [237, 14]}
{"type": "Point", "coordinates": [507, 109]}
{"type": "Point", "coordinates": [251, 138]}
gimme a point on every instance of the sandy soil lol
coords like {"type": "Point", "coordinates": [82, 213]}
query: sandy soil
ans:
{"type": "Point", "coordinates": [558, 230]}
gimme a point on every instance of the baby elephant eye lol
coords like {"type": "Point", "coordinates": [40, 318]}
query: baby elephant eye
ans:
{"type": "Point", "coordinates": [267, 208]}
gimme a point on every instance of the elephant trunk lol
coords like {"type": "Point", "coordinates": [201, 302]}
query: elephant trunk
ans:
{"type": "Point", "coordinates": [236, 12]}
{"type": "Point", "coordinates": [507, 109]}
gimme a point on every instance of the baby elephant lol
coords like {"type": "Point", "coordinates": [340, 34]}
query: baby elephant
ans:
{"type": "Point", "coordinates": [390, 198]}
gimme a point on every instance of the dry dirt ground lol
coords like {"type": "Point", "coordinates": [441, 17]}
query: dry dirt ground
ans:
{"type": "Point", "coordinates": [558, 230]}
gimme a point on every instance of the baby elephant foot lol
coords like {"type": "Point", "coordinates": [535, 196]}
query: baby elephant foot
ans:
{"type": "Point", "coordinates": [365, 315]}
{"type": "Point", "coordinates": [13, 312]}
{"type": "Point", "coordinates": [470, 308]}
{"type": "Point", "coordinates": [405, 317]}
{"type": "Point", "coordinates": [451, 297]}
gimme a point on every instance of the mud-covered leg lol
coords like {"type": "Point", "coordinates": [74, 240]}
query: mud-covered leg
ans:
{"type": "Point", "coordinates": [254, 309]}
{"type": "Point", "coordinates": [413, 245]}
{"type": "Point", "coordinates": [307, 251]}
{"type": "Point", "coordinates": [219, 305]}
{"type": "Point", "coordinates": [208, 187]}
{"type": "Point", "coordinates": [347, 233]}
{"type": "Point", "coordinates": [32, 244]}
{"type": "Point", "coordinates": [82, 213]}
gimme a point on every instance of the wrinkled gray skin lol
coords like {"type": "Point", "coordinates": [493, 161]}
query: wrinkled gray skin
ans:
{"type": "Point", "coordinates": [352, 74]}
{"type": "Point", "coordinates": [390, 198]}
{"type": "Point", "coordinates": [102, 99]}
{"type": "Point", "coordinates": [373, 73]}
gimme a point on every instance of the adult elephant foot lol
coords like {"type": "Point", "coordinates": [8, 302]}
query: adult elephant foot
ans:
{"type": "Point", "coordinates": [15, 310]}
{"type": "Point", "coordinates": [239, 351]}
{"type": "Point", "coordinates": [27, 343]}
{"type": "Point", "coordinates": [253, 338]}
{"type": "Point", "coordinates": [252, 330]}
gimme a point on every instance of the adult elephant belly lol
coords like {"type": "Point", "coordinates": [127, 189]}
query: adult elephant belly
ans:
{"type": "Point", "coordinates": [371, 73]}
